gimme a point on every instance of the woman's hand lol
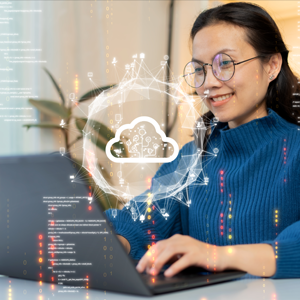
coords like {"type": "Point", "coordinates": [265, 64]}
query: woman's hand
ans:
{"type": "Point", "coordinates": [185, 251]}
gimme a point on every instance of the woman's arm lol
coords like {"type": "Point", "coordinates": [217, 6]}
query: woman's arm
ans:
{"type": "Point", "coordinates": [125, 243]}
{"type": "Point", "coordinates": [137, 236]}
{"type": "Point", "coordinates": [255, 259]}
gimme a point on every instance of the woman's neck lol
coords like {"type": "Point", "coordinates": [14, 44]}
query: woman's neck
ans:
{"type": "Point", "coordinates": [256, 113]}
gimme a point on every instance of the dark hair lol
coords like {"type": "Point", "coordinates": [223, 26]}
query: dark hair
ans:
{"type": "Point", "coordinates": [263, 35]}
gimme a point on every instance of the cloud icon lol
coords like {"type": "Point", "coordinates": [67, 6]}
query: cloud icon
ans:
{"type": "Point", "coordinates": [143, 143]}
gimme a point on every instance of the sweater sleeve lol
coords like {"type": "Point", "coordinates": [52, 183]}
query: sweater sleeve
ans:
{"type": "Point", "coordinates": [133, 231]}
{"type": "Point", "coordinates": [287, 252]}
{"type": "Point", "coordinates": [142, 234]}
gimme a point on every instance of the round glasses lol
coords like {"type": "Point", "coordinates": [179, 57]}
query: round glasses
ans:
{"type": "Point", "coordinates": [222, 65]}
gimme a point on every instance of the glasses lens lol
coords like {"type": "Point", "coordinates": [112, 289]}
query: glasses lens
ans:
{"type": "Point", "coordinates": [194, 74]}
{"type": "Point", "coordinates": [223, 67]}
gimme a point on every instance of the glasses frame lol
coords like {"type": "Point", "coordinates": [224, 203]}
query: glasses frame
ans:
{"type": "Point", "coordinates": [207, 64]}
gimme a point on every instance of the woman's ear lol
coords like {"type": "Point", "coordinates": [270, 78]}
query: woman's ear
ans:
{"type": "Point", "coordinates": [274, 66]}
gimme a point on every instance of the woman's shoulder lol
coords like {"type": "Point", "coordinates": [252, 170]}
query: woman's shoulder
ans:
{"type": "Point", "coordinates": [189, 148]}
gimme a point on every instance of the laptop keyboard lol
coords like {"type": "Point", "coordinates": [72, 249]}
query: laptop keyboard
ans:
{"type": "Point", "coordinates": [188, 278]}
{"type": "Point", "coordinates": [160, 278]}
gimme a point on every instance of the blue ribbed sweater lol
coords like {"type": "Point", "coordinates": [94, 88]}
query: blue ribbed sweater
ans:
{"type": "Point", "coordinates": [259, 201]}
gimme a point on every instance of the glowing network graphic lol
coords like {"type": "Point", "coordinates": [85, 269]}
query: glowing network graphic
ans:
{"type": "Point", "coordinates": [143, 141]}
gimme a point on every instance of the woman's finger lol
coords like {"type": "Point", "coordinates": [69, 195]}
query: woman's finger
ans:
{"type": "Point", "coordinates": [154, 260]}
{"type": "Point", "coordinates": [182, 263]}
{"type": "Point", "coordinates": [165, 258]}
{"type": "Point", "coordinates": [169, 254]}
{"type": "Point", "coordinates": [144, 261]}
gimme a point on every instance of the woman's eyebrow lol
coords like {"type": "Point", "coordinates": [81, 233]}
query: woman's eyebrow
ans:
{"type": "Point", "coordinates": [220, 51]}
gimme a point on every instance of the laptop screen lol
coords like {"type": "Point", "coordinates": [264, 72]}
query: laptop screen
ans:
{"type": "Point", "coordinates": [52, 230]}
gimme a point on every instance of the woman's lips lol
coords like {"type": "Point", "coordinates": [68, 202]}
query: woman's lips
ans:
{"type": "Point", "coordinates": [219, 103]}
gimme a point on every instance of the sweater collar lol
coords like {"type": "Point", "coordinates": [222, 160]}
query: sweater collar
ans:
{"type": "Point", "coordinates": [248, 137]}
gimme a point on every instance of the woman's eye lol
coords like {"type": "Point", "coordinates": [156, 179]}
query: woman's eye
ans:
{"type": "Point", "coordinates": [227, 63]}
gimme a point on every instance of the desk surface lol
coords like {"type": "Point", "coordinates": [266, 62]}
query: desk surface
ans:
{"type": "Point", "coordinates": [246, 289]}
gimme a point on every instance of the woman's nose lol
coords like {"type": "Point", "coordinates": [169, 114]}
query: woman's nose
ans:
{"type": "Point", "coordinates": [210, 80]}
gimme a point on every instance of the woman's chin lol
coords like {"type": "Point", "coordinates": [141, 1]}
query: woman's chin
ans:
{"type": "Point", "coordinates": [224, 118]}
{"type": "Point", "coordinates": [224, 115]}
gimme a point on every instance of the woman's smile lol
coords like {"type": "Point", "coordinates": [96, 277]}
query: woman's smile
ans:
{"type": "Point", "coordinates": [219, 100]}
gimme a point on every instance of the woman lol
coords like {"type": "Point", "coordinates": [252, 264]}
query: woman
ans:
{"type": "Point", "coordinates": [247, 217]}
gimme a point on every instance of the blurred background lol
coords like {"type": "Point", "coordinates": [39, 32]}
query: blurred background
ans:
{"type": "Point", "coordinates": [72, 38]}
{"type": "Point", "coordinates": [51, 49]}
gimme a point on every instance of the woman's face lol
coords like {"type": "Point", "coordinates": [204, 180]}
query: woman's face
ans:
{"type": "Point", "coordinates": [248, 86]}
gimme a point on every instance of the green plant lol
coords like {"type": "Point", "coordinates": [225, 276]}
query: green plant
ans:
{"type": "Point", "coordinates": [66, 112]}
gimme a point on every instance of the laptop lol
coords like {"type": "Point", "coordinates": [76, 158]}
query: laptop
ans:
{"type": "Point", "coordinates": [53, 230]}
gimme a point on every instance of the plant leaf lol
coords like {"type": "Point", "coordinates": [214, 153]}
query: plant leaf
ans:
{"type": "Point", "coordinates": [80, 123]}
{"type": "Point", "coordinates": [107, 134]}
{"type": "Point", "coordinates": [103, 131]}
{"type": "Point", "coordinates": [100, 128]}
{"type": "Point", "coordinates": [50, 108]}
{"type": "Point", "coordinates": [95, 92]}
{"type": "Point", "coordinates": [98, 143]}
{"type": "Point", "coordinates": [119, 146]}
{"type": "Point", "coordinates": [60, 93]}
{"type": "Point", "coordinates": [43, 125]}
